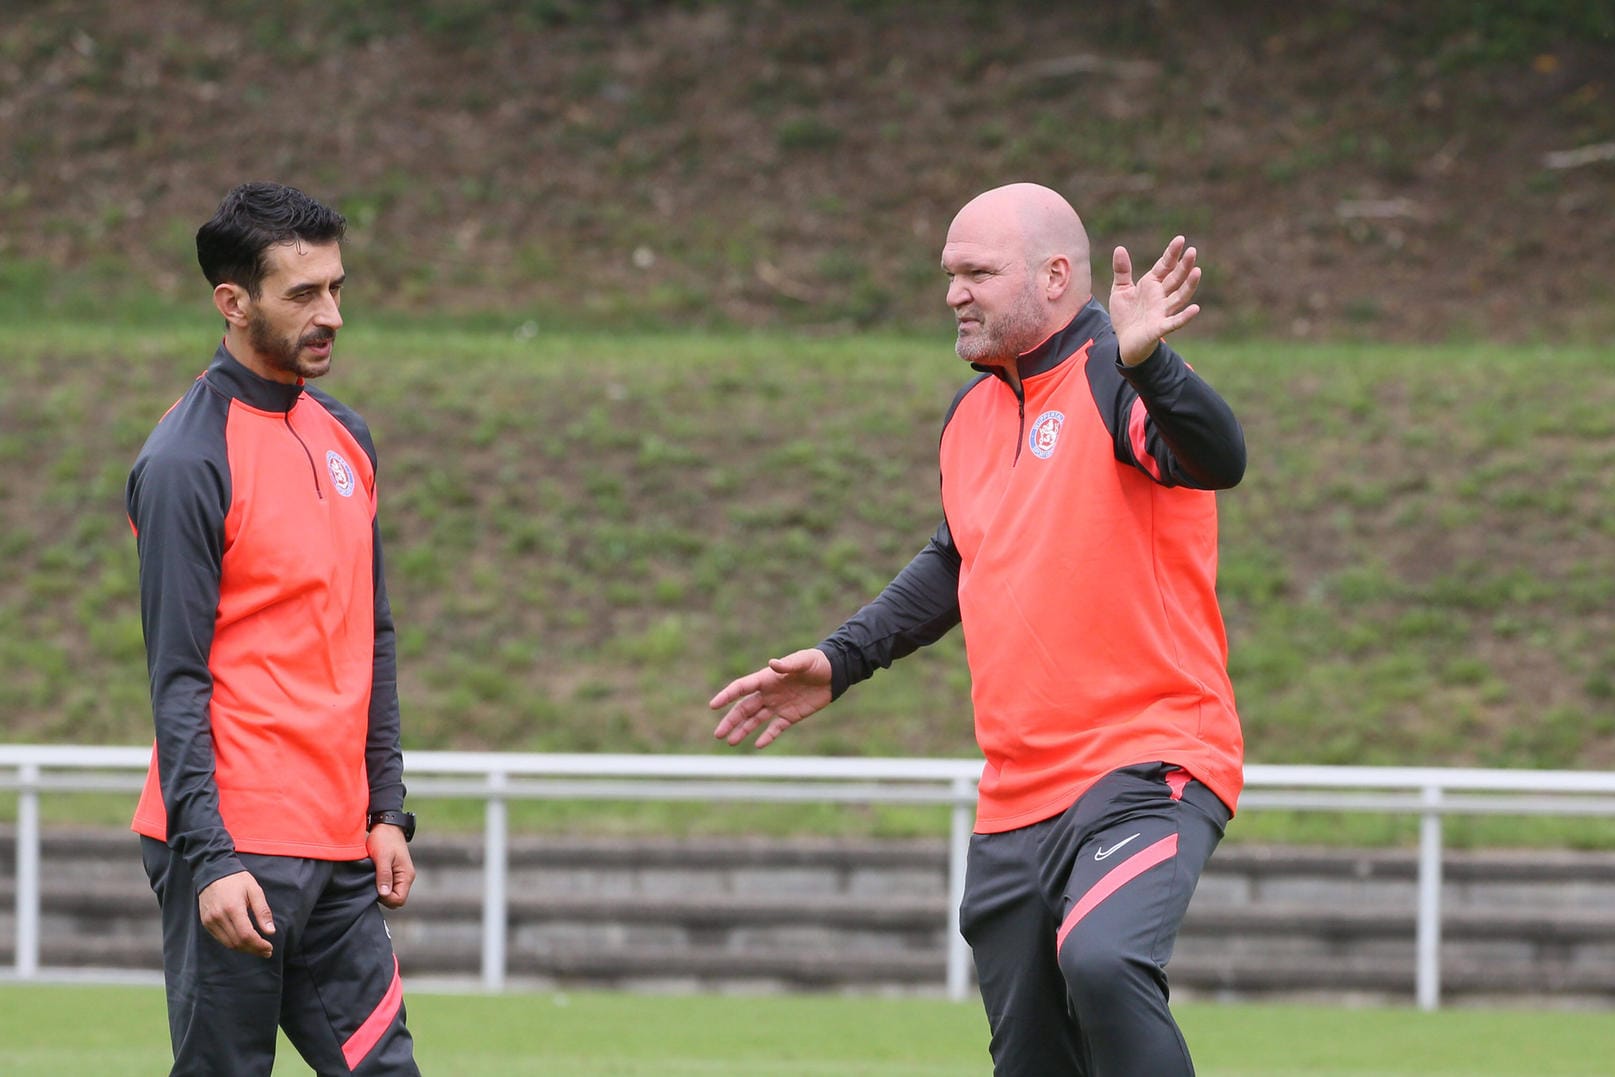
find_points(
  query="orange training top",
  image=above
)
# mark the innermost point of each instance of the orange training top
(1079, 552)
(269, 638)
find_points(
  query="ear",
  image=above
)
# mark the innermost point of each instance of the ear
(1057, 277)
(232, 302)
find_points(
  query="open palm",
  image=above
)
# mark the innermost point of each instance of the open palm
(1158, 303)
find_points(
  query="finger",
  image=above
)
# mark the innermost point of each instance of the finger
(399, 880)
(1178, 297)
(746, 727)
(735, 716)
(1179, 272)
(253, 933)
(238, 933)
(779, 725)
(1180, 319)
(1169, 258)
(403, 879)
(1190, 286)
(1121, 268)
(260, 908)
(738, 688)
(739, 721)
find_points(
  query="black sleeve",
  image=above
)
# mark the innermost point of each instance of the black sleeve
(1189, 435)
(177, 503)
(917, 608)
(384, 758)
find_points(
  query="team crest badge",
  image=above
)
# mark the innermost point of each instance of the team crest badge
(1046, 434)
(341, 473)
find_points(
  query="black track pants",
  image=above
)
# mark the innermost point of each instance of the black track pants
(332, 982)
(1072, 921)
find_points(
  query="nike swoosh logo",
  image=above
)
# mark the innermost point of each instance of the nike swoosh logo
(1101, 853)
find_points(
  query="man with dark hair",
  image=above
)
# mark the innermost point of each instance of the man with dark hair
(1078, 549)
(272, 818)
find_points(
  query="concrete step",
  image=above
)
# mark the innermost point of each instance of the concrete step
(1391, 978)
(1459, 865)
(579, 966)
(826, 914)
(1364, 923)
(106, 901)
(662, 967)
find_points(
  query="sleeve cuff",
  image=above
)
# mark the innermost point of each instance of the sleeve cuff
(838, 669)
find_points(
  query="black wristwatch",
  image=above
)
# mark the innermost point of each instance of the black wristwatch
(405, 819)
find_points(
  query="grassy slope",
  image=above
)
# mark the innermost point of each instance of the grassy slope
(1348, 167)
(809, 1037)
(587, 535)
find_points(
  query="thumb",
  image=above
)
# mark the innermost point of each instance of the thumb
(384, 874)
(795, 662)
(260, 909)
(1121, 268)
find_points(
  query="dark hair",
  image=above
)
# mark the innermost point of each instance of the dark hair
(251, 219)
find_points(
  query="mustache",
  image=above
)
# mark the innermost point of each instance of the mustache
(319, 336)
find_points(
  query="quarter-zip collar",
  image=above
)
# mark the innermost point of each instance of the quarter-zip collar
(230, 376)
(1088, 323)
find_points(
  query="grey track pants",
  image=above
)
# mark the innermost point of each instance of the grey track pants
(1072, 921)
(332, 982)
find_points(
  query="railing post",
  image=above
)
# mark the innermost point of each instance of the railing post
(958, 850)
(28, 871)
(1428, 941)
(495, 907)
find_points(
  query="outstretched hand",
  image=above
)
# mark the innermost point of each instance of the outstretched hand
(780, 694)
(1144, 311)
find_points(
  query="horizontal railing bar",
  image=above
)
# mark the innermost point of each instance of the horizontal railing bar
(1267, 775)
(646, 789)
(1402, 803)
(692, 766)
(76, 783)
(1262, 780)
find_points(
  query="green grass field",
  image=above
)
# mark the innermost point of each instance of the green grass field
(52, 1030)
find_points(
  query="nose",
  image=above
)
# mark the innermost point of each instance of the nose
(958, 293)
(329, 316)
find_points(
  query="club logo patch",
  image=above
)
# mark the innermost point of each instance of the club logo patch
(341, 473)
(1045, 434)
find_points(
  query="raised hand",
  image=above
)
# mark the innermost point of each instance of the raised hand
(1158, 303)
(780, 694)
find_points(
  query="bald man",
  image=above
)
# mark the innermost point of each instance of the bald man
(1078, 550)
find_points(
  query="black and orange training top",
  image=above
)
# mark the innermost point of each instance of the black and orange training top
(1078, 549)
(269, 638)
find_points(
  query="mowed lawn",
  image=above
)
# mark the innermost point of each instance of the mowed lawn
(48, 1031)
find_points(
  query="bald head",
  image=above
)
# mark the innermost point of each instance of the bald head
(1040, 219)
(1025, 241)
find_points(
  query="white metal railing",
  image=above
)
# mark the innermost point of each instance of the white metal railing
(497, 778)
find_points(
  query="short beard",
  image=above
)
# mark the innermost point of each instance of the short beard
(1008, 336)
(283, 353)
